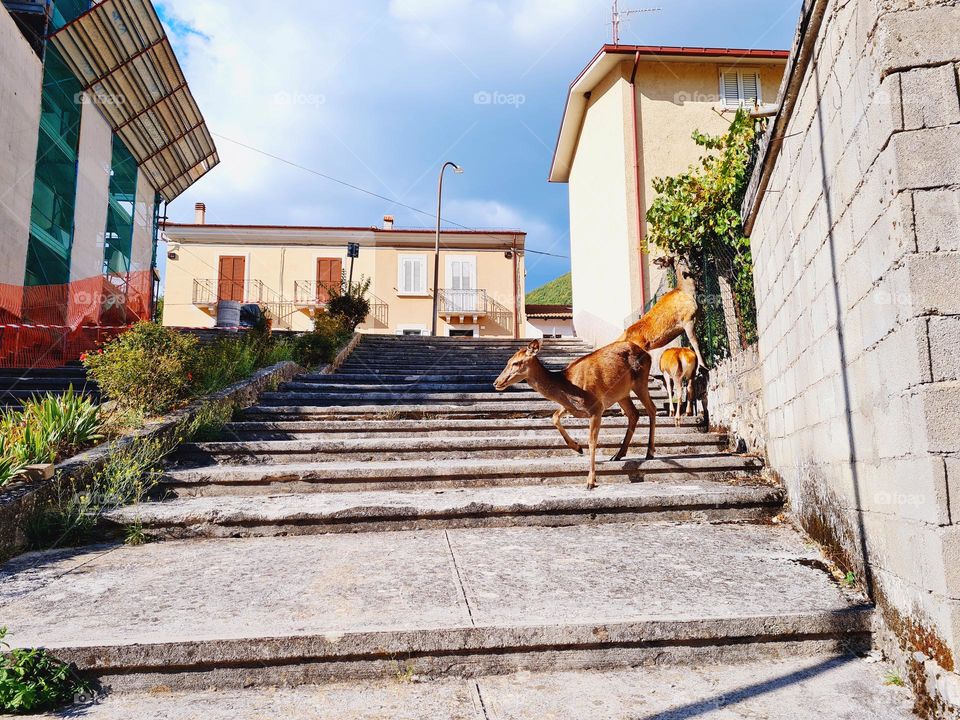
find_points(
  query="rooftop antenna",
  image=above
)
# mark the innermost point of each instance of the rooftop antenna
(620, 15)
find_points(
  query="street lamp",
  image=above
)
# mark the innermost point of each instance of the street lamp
(436, 257)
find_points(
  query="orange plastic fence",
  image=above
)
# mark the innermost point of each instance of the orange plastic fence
(50, 325)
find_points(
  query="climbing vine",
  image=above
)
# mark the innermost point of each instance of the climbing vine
(696, 214)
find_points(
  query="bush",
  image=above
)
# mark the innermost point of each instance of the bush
(348, 302)
(320, 346)
(46, 430)
(34, 680)
(149, 367)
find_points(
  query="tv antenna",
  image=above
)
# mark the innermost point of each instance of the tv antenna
(620, 15)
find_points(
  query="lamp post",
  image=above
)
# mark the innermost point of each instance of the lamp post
(436, 257)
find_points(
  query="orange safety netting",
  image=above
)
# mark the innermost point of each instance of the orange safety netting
(50, 325)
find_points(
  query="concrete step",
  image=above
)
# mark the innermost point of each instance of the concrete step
(67, 373)
(261, 452)
(56, 385)
(446, 474)
(375, 371)
(785, 689)
(374, 378)
(393, 387)
(294, 610)
(372, 397)
(318, 513)
(421, 428)
(508, 407)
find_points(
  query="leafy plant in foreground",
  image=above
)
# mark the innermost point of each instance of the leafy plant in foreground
(34, 681)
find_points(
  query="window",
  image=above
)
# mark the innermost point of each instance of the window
(740, 87)
(462, 333)
(230, 278)
(412, 275)
(329, 275)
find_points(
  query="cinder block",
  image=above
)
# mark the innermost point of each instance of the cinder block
(941, 413)
(916, 37)
(937, 217)
(930, 97)
(933, 283)
(921, 157)
(944, 342)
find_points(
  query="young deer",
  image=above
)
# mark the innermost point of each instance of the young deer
(679, 368)
(586, 388)
(676, 312)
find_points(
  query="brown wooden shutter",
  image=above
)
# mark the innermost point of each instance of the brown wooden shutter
(329, 273)
(230, 280)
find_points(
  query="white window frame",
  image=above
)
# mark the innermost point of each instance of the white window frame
(741, 100)
(422, 329)
(474, 327)
(401, 291)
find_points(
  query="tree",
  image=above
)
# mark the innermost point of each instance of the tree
(348, 301)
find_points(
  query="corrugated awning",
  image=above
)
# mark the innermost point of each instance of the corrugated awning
(120, 53)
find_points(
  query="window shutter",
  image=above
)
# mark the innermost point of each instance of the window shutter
(731, 89)
(751, 89)
(411, 275)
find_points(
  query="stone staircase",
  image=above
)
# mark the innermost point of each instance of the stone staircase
(400, 519)
(18, 385)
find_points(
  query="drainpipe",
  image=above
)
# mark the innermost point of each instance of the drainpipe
(516, 294)
(636, 176)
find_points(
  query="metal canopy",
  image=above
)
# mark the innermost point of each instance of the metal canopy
(120, 53)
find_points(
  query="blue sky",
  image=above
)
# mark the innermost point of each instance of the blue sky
(380, 93)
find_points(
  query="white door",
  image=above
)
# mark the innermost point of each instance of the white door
(462, 283)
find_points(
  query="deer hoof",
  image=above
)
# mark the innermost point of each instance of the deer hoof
(650, 455)
(578, 450)
(617, 458)
(591, 485)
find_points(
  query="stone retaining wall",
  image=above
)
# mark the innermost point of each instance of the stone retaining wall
(736, 400)
(19, 503)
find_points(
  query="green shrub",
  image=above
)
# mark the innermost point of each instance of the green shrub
(149, 367)
(46, 430)
(35, 681)
(348, 302)
(320, 346)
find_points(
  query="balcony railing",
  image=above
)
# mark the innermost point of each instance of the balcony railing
(461, 305)
(306, 296)
(206, 294)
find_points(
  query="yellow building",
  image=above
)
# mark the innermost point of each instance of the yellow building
(628, 119)
(481, 278)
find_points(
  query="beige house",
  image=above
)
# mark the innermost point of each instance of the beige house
(628, 119)
(481, 278)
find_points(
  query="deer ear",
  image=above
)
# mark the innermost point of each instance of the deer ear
(534, 347)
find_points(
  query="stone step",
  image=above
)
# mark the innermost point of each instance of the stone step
(419, 428)
(446, 474)
(374, 371)
(782, 688)
(374, 378)
(294, 610)
(503, 408)
(260, 452)
(319, 513)
(529, 397)
(396, 388)
(41, 384)
(407, 366)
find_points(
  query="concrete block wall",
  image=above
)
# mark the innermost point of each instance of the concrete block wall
(857, 253)
(736, 400)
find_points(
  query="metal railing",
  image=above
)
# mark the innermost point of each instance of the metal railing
(306, 294)
(206, 293)
(477, 303)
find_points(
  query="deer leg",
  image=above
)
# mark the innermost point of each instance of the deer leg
(668, 381)
(594, 435)
(691, 401)
(690, 328)
(642, 389)
(571, 443)
(632, 416)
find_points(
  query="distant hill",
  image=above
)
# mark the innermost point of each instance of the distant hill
(556, 292)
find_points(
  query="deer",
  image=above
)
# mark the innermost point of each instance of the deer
(679, 368)
(586, 388)
(675, 313)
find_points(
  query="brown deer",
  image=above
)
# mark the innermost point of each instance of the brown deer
(586, 388)
(679, 367)
(675, 313)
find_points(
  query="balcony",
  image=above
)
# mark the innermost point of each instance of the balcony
(206, 296)
(471, 306)
(306, 297)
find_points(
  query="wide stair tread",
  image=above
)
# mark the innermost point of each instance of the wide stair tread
(342, 604)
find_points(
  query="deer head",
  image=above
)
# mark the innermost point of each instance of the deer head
(518, 366)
